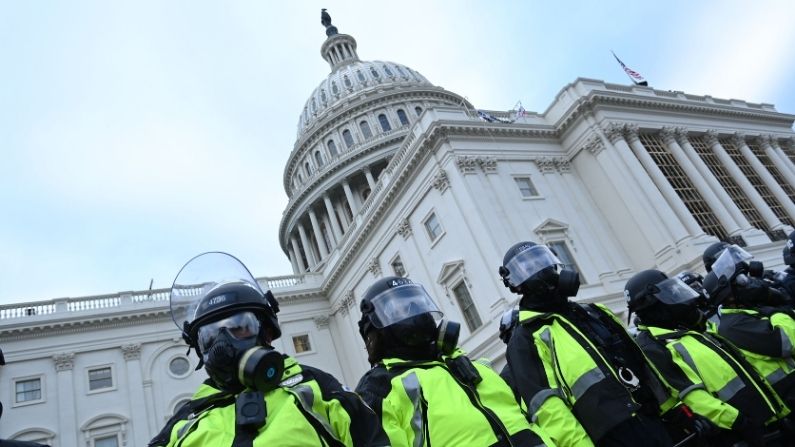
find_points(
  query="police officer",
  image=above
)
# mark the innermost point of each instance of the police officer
(787, 278)
(426, 391)
(508, 322)
(712, 377)
(753, 318)
(254, 395)
(578, 372)
(711, 254)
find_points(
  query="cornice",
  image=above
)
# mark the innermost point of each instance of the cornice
(89, 323)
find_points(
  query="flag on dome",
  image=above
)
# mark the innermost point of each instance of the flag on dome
(633, 75)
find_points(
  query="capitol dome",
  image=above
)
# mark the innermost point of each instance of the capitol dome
(352, 78)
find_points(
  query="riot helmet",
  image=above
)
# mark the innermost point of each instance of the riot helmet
(696, 282)
(711, 254)
(534, 271)
(789, 250)
(663, 301)
(223, 313)
(508, 321)
(402, 316)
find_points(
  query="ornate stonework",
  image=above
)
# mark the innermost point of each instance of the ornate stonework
(711, 137)
(595, 145)
(346, 303)
(131, 351)
(64, 361)
(374, 267)
(681, 135)
(549, 165)
(739, 139)
(631, 132)
(763, 140)
(404, 228)
(321, 322)
(441, 181)
(614, 131)
(487, 164)
(466, 165)
(668, 135)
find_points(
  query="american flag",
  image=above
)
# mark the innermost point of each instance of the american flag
(633, 75)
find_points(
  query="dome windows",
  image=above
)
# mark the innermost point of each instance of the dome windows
(308, 168)
(401, 72)
(384, 123)
(346, 135)
(404, 120)
(360, 75)
(364, 126)
(323, 98)
(418, 110)
(375, 73)
(388, 72)
(318, 158)
(334, 88)
(347, 82)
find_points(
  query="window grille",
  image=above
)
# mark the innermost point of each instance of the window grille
(789, 150)
(100, 378)
(676, 176)
(346, 135)
(319, 158)
(301, 343)
(756, 182)
(365, 128)
(468, 309)
(728, 183)
(773, 169)
(28, 390)
(404, 120)
(332, 148)
(384, 123)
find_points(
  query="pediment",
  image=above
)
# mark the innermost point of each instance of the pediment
(551, 226)
(449, 269)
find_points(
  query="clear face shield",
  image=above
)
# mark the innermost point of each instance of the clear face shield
(200, 276)
(674, 291)
(529, 262)
(240, 326)
(726, 264)
(402, 302)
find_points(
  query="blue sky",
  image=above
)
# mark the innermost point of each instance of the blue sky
(137, 134)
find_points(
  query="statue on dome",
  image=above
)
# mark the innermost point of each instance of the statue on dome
(325, 20)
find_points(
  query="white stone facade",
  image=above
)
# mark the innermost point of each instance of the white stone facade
(618, 178)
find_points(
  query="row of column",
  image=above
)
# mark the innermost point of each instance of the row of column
(625, 138)
(332, 214)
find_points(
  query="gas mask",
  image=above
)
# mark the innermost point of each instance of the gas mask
(233, 356)
(447, 340)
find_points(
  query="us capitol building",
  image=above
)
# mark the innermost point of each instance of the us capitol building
(391, 174)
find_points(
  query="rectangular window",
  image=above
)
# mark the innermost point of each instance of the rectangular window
(301, 343)
(433, 227)
(100, 378)
(398, 268)
(467, 306)
(107, 441)
(562, 250)
(526, 187)
(28, 390)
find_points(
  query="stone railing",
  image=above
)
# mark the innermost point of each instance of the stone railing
(67, 306)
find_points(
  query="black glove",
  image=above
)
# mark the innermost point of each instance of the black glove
(749, 430)
(754, 292)
(463, 369)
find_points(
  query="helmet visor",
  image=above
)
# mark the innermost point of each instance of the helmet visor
(399, 303)
(529, 262)
(726, 264)
(674, 291)
(241, 325)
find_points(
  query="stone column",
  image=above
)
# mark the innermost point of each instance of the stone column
(293, 261)
(140, 429)
(370, 180)
(737, 174)
(783, 164)
(662, 183)
(310, 255)
(789, 163)
(298, 259)
(321, 240)
(784, 200)
(67, 424)
(349, 195)
(332, 217)
(329, 232)
(649, 194)
(715, 186)
(701, 185)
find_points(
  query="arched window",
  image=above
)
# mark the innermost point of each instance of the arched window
(360, 75)
(319, 158)
(374, 73)
(384, 123)
(334, 88)
(314, 106)
(347, 81)
(332, 148)
(308, 169)
(400, 70)
(388, 71)
(365, 128)
(323, 97)
(418, 110)
(404, 120)
(346, 135)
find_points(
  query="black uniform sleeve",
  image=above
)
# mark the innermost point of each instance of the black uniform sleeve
(751, 333)
(525, 366)
(506, 376)
(662, 359)
(374, 386)
(366, 429)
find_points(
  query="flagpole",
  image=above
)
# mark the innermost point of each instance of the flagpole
(622, 66)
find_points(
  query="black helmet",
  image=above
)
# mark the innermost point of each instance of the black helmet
(532, 270)
(215, 285)
(662, 300)
(509, 320)
(711, 254)
(402, 309)
(789, 250)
